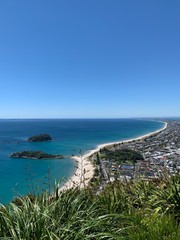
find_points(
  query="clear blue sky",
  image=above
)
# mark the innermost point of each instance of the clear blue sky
(89, 58)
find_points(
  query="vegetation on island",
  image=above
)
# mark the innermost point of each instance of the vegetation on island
(35, 155)
(40, 138)
(141, 210)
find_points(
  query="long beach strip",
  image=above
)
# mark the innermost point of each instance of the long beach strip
(85, 165)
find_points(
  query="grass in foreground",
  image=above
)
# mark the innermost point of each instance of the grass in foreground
(128, 210)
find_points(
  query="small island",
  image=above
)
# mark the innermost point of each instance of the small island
(40, 138)
(35, 155)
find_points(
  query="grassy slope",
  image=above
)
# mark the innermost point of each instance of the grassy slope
(129, 210)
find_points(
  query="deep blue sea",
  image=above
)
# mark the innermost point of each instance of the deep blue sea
(20, 176)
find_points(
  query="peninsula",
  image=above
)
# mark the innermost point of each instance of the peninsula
(35, 155)
(88, 163)
(40, 138)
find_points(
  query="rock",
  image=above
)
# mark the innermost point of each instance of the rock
(35, 155)
(40, 138)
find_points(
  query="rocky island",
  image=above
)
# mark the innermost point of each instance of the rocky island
(40, 138)
(35, 155)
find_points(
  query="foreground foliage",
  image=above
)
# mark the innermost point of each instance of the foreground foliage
(122, 210)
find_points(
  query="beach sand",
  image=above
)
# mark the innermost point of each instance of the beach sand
(85, 166)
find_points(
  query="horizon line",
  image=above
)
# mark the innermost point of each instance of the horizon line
(56, 118)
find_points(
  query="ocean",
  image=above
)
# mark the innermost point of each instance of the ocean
(70, 136)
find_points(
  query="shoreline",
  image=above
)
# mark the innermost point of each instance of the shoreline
(85, 167)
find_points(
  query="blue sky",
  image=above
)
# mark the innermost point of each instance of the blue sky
(89, 58)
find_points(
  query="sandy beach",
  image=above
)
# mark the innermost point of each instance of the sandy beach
(85, 168)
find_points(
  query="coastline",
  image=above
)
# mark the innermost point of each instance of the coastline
(85, 168)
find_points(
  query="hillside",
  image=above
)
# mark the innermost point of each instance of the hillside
(122, 210)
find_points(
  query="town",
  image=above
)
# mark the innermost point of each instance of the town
(156, 156)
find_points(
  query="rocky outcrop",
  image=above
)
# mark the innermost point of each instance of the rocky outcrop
(35, 155)
(40, 138)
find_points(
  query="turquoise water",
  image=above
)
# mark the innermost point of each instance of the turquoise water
(20, 176)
